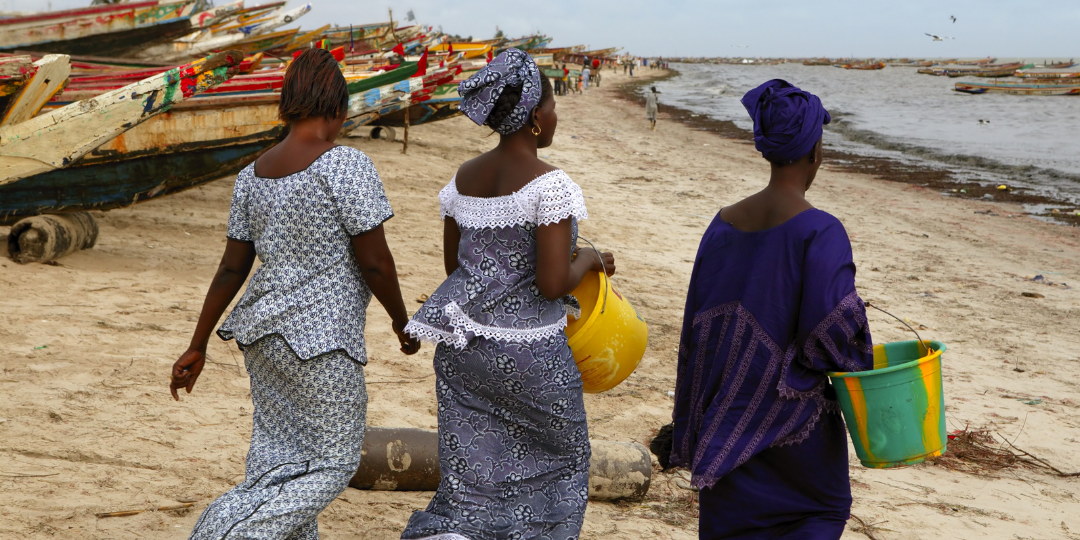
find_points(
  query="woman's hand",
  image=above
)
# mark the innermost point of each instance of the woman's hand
(409, 344)
(599, 262)
(186, 371)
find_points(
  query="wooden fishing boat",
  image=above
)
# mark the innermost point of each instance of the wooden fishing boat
(14, 71)
(216, 14)
(1059, 65)
(1018, 88)
(56, 139)
(302, 40)
(469, 49)
(865, 66)
(244, 37)
(110, 29)
(991, 70)
(46, 77)
(817, 62)
(199, 140)
(264, 42)
(1047, 74)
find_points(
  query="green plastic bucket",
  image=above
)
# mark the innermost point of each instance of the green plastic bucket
(895, 412)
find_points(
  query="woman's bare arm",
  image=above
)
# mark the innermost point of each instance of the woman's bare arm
(377, 266)
(231, 273)
(451, 239)
(557, 275)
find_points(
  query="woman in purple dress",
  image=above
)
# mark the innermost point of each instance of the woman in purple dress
(771, 308)
(513, 442)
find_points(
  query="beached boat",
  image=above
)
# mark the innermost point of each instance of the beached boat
(43, 80)
(210, 40)
(1018, 88)
(264, 42)
(107, 30)
(56, 139)
(470, 50)
(198, 141)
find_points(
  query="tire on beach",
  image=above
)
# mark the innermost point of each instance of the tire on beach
(49, 237)
(385, 133)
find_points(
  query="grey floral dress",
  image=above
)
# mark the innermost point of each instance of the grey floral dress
(514, 444)
(301, 326)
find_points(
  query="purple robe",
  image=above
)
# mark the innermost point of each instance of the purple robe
(767, 314)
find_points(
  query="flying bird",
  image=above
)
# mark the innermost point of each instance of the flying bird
(939, 38)
(953, 17)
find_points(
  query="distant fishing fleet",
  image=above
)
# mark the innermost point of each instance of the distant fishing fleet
(1018, 78)
(118, 103)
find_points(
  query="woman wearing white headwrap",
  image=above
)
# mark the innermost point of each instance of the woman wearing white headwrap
(513, 442)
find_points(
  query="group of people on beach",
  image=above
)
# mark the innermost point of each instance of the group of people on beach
(771, 307)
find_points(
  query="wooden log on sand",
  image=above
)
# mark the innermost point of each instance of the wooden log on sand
(50, 237)
(406, 459)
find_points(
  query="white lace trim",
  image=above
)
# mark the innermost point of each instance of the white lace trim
(463, 326)
(550, 198)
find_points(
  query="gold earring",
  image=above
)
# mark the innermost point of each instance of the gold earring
(536, 131)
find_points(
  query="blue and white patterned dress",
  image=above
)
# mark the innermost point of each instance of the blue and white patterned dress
(513, 441)
(301, 326)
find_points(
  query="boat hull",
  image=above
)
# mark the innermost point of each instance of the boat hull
(120, 43)
(1018, 89)
(117, 184)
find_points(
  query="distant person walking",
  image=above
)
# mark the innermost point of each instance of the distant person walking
(558, 86)
(652, 106)
(625, 66)
(632, 62)
(585, 74)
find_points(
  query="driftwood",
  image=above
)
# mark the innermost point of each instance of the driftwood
(407, 459)
(50, 237)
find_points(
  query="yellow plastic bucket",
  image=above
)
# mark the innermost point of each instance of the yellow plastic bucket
(608, 340)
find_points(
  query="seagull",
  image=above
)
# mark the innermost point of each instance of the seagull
(939, 38)
(953, 17)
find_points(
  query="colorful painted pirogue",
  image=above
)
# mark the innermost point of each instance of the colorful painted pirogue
(197, 141)
(56, 139)
(108, 30)
(1026, 88)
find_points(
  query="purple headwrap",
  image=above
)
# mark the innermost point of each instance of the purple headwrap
(480, 92)
(787, 120)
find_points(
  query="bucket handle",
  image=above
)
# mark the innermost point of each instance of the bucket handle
(603, 307)
(921, 342)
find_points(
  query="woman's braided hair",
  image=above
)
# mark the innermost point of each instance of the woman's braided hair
(509, 99)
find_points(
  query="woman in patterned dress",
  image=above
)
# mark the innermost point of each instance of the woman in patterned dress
(513, 442)
(312, 212)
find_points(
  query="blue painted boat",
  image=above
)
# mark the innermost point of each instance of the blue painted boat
(104, 186)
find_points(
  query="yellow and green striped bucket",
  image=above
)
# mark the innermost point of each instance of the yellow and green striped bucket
(895, 412)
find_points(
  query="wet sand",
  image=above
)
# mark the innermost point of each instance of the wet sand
(85, 345)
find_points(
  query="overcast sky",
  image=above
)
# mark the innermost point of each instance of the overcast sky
(793, 28)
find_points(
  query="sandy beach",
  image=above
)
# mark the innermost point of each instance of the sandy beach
(87, 424)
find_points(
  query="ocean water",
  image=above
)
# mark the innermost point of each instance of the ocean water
(1025, 141)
